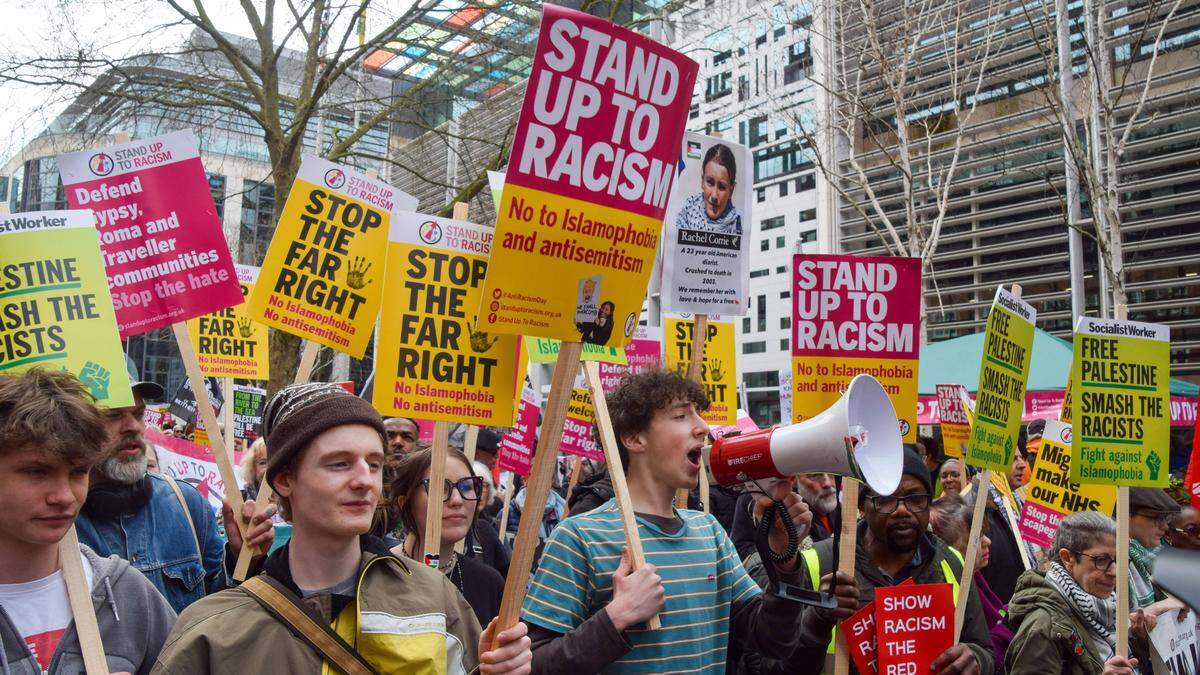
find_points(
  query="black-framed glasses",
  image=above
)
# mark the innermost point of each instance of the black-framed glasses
(915, 503)
(1102, 562)
(469, 488)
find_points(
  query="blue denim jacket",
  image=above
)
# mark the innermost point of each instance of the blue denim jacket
(158, 542)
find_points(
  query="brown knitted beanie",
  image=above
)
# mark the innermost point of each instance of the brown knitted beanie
(300, 412)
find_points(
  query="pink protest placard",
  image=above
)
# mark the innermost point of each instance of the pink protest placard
(578, 439)
(161, 240)
(517, 446)
(643, 352)
(744, 424)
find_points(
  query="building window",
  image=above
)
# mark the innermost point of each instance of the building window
(216, 185)
(785, 322)
(785, 344)
(784, 295)
(810, 214)
(764, 245)
(754, 274)
(722, 57)
(780, 241)
(258, 207)
(808, 236)
(771, 223)
(746, 324)
(743, 88)
(760, 195)
(718, 86)
(806, 182)
(761, 378)
(762, 312)
(783, 189)
(781, 269)
(759, 347)
(43, 188)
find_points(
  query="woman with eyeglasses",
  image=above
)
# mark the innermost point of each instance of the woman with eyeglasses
(1184, 531)
(481, 585)
(1065, 618)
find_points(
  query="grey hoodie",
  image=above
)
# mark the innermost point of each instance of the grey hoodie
(134, 620)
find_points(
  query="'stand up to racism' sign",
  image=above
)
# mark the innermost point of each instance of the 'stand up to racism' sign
(851, 315)
(592, 168)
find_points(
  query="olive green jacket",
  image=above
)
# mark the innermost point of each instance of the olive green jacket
(1049, 638)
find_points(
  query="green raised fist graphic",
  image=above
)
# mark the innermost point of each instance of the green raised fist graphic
(1154, 464)
(96, 378)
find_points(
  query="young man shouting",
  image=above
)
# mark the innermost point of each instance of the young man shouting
(587, 609)
(50, 436)
(325, 458)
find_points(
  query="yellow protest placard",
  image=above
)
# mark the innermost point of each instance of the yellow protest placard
(228, 342)
(1052, 495)
(1003, 373)
(431, 360)
(718, 373)
(322, 278)
(55, 308)
(1121, 407)
(956, 430)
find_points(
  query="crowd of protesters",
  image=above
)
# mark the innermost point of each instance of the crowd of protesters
(352, 490)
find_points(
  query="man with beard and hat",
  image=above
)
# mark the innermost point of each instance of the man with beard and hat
(162, 526)
(894, 545)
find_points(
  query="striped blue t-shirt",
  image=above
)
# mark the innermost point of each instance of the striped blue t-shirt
(701, 572)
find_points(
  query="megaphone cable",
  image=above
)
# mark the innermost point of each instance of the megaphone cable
(764, 529)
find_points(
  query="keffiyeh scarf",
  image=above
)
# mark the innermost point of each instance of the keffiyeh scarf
(1098, 615)
(1140, 587)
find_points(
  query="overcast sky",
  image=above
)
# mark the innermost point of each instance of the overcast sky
(33, 27)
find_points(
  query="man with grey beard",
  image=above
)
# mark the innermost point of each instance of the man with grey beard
(162, 526)
(819, 491)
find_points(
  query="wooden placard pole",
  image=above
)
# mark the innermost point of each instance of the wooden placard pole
(308, 357)
(847, 550)
(538, 487)
(968, 573)
(1120, 313)
(431, 555)
(227, 416)
(694, 372)
(573, 477)
(616, 474)
(82, 610)
(205, 412)
(508, 495)
(470, 442)
(981, 500)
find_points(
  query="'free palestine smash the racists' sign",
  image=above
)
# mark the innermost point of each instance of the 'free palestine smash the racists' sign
(160, 237)
(1122, 403)
(431, 360)
(851, 315)
(322, 278)
(55, 311)
(1003, 372)
(592, 168)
